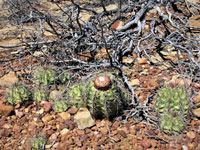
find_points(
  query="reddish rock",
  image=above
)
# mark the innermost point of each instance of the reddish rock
(115, 125)
(73, 110)
(47, 106)
(19, 113)
(146, 143)
(5, 110)
(122, 133)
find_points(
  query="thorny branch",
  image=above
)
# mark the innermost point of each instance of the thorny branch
(75, 37)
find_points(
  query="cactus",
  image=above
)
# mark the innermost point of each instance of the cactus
(38, 143)
(40, 95)
(171, 124)
(60, 105)
(65, 77)
(101, 95)
(172, 106)
(44, 76)
(172, 100)
(18, 94)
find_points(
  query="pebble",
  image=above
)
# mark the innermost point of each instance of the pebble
(184, 147)
(196, 112)
(5, 110)
(73, 110)
(64, 115)
(47, 106)
(19, 113)
(146, 143)
(122, 133)
(47, 118)
(191, 134)
(104, 131)
(142, 60)
(64, 131)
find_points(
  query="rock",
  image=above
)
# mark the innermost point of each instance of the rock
(64, 115)
(73, 110)
(55, 94)
(194, 1)
(142, 61)
(196, 99)
(117, 25)
(19, 113)
(5, 110)
(196, 112)
(104, 131)
(84, 119)
(184, 147)
(122, 133)
(8, 79)
(53, 137)
(7, 126)
(47, 118)
(47, 106)
(146, 143)
(194, 21)
(134, 82)
(191, 134)
(64, 131)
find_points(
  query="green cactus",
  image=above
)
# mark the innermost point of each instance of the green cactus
(40, 95)
(65, 77)
(38, 143)
(172, 106)
(60, 105)
(172, 100)
(44, 76)
(171, 124)
(101, 103)
(18, 94)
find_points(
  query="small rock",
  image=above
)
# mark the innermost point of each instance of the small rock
(196, 99)
(122, 133)
(135, 82)
(64, 115)
(5, 110)
(47, 118)
(196, 112)
(55, 94)
(73, 110)
(191, 134)
(184, 147)
(19, 113)
(17, 128)
(53, 137)
(7, 126)
(41, 111)
(47, 106)
(104, 131)
(56, 145)
(142, 60)
(146, 143)
(70, 124)
(8, 79)
(64, 131)
(84, 119)
(115, 125)
(117, 25)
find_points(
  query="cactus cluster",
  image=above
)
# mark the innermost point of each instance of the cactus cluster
(172, 105)
(65, 77)
(40, 95)
(17, 94)
(38, 143)
(60, 105)
(102, 101)
(44, 76)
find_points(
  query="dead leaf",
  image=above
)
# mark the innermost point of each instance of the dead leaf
(127, 60)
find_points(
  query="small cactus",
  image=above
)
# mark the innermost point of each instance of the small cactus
(172, 106)
(38, 143)
(18, 94)
(40, 95)
(60, 105)
(101, 95)
(44, 76)
(64, 77)
(171, 124)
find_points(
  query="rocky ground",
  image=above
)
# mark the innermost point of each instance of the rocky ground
(21, 123)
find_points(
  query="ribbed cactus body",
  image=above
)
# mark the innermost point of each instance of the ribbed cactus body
(38, 143)
(44, 76)
(171, 124)
(101, 103)
(40, 95)
(18, 94)
(172, 105)
(60, 105)
(65, 77)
